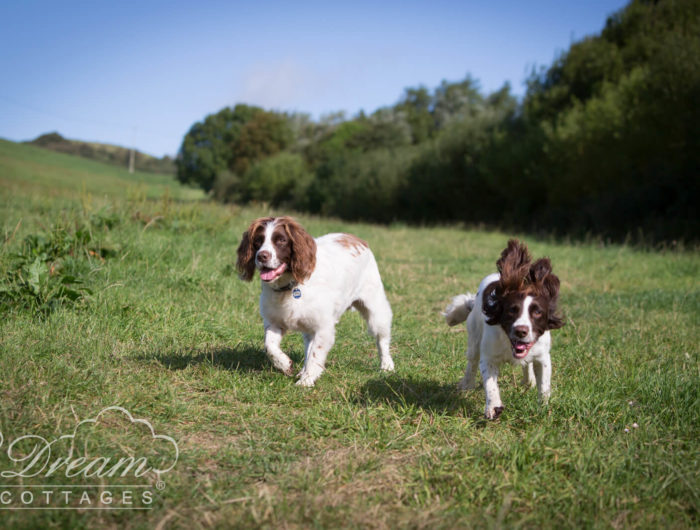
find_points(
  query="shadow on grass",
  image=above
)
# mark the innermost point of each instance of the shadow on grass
(431, 396)
(242, 358)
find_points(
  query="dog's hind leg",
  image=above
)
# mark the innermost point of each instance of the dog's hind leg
(376, 311)
(469, 382)
(475, 331)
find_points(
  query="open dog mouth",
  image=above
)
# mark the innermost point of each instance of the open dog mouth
(269, 275)
(520, 348)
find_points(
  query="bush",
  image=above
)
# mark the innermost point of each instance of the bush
(365, 185)
(280, 180)
(49, 270)
(227, 187)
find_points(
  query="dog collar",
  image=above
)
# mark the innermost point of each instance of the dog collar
(291, 285)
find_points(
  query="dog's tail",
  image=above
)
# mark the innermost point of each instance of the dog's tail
(459, 309)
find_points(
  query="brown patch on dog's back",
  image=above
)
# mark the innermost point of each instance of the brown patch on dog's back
(354, 244)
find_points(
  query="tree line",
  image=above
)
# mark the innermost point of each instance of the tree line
(605, 141)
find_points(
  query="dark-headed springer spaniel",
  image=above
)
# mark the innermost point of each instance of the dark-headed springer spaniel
(508, 320)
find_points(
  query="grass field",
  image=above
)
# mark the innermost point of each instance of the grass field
(152, 318)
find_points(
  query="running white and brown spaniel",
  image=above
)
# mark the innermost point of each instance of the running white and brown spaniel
(307, 285)
(509, 319)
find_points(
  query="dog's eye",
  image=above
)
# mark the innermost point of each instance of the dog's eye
(281, 240)
(513, 310)
(258, 241)
(536, 312)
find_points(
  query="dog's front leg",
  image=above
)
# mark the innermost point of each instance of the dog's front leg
(543, 375)
(494, 406)
(317, 346)
(528, 375)
(279, 359)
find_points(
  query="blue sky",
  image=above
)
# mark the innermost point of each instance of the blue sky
(142, 72)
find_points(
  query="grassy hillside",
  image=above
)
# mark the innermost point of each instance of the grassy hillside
(27, 166)
(110, 154)
(170, 334)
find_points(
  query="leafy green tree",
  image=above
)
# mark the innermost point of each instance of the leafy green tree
(455, 101)
(265, 134)
(452, 170)
(280, 180)
(385, 128)
(619, 116)
(206, 148)
(417, 105)
(364, 185)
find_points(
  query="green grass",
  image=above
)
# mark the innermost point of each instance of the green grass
(169, 333)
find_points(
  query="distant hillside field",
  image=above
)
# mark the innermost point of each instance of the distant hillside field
(29, 168)
(110, 154)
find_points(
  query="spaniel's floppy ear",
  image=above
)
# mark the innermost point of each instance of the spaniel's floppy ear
(303, 259)
(514, 265)
(245, 263)
(539, 270)
(546, 284)
(493, 302)
(550, 286)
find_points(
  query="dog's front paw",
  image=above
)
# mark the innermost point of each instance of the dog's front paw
(305, 380)
(493, 413)
(308, 375)
(282, 363)
(387, 365)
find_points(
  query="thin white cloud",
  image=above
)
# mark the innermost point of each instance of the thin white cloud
(276, 86)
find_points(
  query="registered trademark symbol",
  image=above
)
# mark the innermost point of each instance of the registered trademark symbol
(160, 485)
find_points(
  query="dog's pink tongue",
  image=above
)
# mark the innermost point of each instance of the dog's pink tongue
(521, 349)
(269, 275)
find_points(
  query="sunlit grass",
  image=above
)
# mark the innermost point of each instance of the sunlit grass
(172, 335)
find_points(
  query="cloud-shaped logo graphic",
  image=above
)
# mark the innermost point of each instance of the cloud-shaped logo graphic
(167, 440)
(83, 453)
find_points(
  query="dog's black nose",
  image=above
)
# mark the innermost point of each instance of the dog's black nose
(263, 256)
(520, 331)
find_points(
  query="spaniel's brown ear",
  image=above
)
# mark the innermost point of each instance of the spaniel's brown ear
(540, 270)
(514, 265)
(493, 302)
(303, 259)
(550, 289)
(543, 280)
(546, 284)
(554, 321)
(245, 263)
